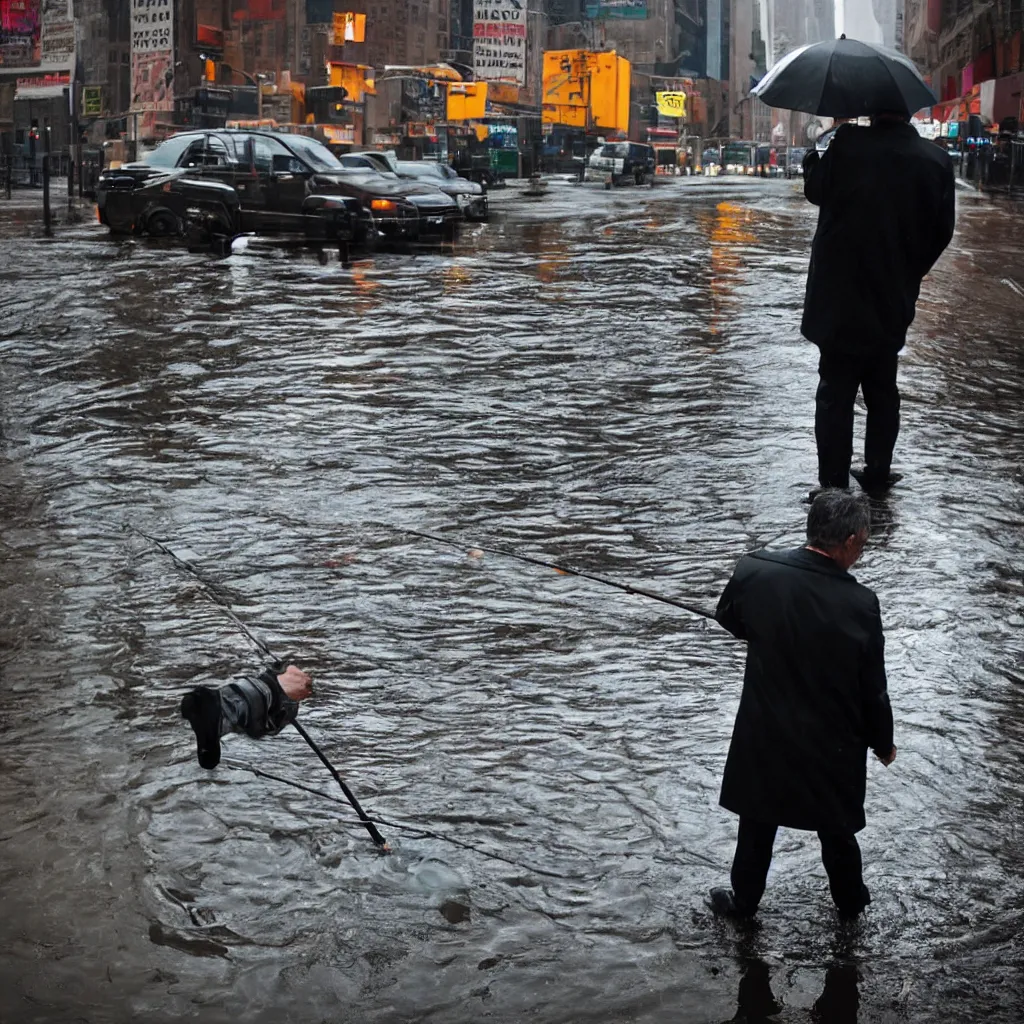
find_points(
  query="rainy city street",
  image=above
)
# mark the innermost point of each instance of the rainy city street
(614, 380)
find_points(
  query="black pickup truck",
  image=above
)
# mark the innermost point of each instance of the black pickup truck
(283, 183)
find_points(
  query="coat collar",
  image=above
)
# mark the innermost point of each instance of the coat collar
(801, 558)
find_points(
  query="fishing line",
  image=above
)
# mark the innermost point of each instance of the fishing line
(627, 588)
(211, 595)
(413, 831)
(370, 827)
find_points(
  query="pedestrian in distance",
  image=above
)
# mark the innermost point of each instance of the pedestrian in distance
(814, 702)
(886, 213)
(257, 706)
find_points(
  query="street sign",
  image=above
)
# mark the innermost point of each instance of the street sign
(92, 101)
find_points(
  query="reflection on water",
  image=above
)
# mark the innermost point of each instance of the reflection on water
(553, 387)
(758, 1002)
(730, 236)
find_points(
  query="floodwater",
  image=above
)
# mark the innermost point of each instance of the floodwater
(614, 380)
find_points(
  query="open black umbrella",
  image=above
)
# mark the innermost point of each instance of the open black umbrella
(845, 78)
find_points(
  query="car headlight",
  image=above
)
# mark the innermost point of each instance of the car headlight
(383, 205)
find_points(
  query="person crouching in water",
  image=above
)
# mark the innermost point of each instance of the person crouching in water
(257, 706)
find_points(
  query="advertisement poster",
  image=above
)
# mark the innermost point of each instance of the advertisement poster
(499, 41)
(19, 33)
(671, 104)
(152, 25)
(151, 82)
(57, 44)
(152, 35)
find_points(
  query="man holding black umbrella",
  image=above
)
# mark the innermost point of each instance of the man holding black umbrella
(887, 212)
(886, 199)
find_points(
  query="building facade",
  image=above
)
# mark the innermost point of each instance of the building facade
(973, 54)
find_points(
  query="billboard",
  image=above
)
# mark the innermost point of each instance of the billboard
(586, 89)
(152, 26)
(152, 35)
(19, 33)
(671, 104)
(37, 34)
(499, 41)
(633, 9)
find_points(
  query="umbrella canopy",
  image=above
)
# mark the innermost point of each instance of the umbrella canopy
(845, 78)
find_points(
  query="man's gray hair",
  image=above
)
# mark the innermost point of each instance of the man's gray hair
(834, 516)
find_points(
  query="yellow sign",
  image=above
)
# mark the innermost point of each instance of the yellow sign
(92, 101)
(467, 101)
(349, 28)
(586, 89)
(671, 104)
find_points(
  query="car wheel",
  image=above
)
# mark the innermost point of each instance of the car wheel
(117, 214)
(162, 224)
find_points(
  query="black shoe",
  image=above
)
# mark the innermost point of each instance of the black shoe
(724, 903)
(202, 709)
(875, 483)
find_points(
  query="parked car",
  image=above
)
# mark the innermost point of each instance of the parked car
(618, 162)
(470, 195)
(289, 182)
(372, 159)
(171, 204)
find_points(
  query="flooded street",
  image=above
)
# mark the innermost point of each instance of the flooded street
(614, 380)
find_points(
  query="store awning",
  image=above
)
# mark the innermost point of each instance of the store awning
(40, 92)
(960, 108)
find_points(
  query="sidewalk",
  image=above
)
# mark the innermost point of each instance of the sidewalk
(22, 214)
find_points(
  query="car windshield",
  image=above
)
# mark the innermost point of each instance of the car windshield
(615, 149)
(357, 163)
(314, 153)
(168, 153)
(421, 168)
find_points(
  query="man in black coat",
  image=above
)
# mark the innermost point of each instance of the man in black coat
(814, 702)
(886, 199)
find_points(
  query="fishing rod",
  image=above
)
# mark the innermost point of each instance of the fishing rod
(627, 588)
(414, 831)
(211, 596)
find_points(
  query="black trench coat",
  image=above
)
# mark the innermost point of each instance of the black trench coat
(887, 212)
(814, 692)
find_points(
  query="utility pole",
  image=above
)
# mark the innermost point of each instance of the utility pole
(47, 225)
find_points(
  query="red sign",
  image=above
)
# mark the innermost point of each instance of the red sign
(209, 37)
(60, 78)
(496, 30)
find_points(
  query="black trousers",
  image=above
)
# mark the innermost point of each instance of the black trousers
(839, 853)
(840, 376)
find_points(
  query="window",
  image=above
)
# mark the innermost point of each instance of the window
(264, 151)
(167, 153)
(206, 151)
(315, 154)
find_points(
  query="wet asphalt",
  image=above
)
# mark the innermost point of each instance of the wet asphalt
(614, 380)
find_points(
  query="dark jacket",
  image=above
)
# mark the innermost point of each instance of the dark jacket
(887, 212)
(814, 692)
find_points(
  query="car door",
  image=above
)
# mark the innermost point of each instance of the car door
(284, 177)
